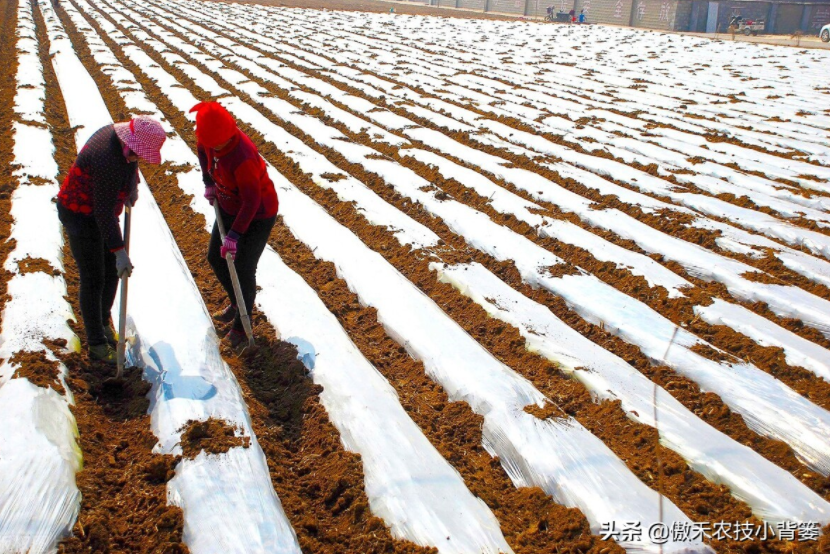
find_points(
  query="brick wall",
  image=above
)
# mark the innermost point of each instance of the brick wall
(818, 18)
(683, 16)
(471, 4)
(698, 16)
(661, 14)
(562, 5)
(615, 12)
(515, 7)
(654, 14)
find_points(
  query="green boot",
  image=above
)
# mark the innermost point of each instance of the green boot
(109, 334)
(103, 353)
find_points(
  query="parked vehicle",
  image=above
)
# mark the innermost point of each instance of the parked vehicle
(746, 26)
(561, 17)
(824, 34)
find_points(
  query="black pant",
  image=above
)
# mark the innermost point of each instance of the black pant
(249, 249)
(99, 283)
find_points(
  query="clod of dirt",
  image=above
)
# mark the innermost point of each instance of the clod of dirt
(160, 469)
(213, 436)
(126, 400)
(333, 177)
(562, 270)
(55, 343)
(33, 265)
(548, 411)
(711, 354)
(760, 277)
(41, 371)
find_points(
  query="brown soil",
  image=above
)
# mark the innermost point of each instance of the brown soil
(690, 491)
(562, 270)
(674, 225)
(452, 427)
(319, 484)
(548, 411)
(678, 310)
(41, 371)
(774, 267)
(719, 137)
(124, 495)
(651, 169)
(737, 426)
(711, 354)
(745, 201)
(33, 265)
(636, 286)
(8, 72)
(211, 436)
(477, 323)
(333, 177)
(770, 359)
(122, 510)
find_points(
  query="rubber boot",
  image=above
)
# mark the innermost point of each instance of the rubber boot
(227, 315)
(109, 334)
(236, 338)
(103, 353)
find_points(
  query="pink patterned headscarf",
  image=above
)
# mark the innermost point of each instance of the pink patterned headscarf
(144, 136)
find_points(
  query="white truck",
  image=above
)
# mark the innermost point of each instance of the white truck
(824, 34)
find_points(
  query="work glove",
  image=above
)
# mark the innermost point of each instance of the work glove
(228, 247)
(210, 194)
(132, 198)
(122, 263)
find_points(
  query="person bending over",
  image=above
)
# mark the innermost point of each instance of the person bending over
(103, 178)
(236, 177)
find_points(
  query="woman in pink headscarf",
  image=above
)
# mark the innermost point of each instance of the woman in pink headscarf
(102, 180)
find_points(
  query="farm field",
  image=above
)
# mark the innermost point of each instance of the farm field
(533, 288)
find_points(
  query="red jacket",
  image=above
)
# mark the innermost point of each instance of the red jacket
(94, 190)
(243, 187)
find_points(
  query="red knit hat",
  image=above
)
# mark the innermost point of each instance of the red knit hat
(214, 125)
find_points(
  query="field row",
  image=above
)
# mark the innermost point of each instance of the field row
(611, 285)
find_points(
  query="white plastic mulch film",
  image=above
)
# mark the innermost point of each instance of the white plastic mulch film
(806, 429)
(39, 455)
(427, 67)
(408, 483)
(773, 493)
(228, 501)
(807, 438)
(320, 133)
(500, 396)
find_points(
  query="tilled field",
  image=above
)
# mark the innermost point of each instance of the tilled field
(532, 288)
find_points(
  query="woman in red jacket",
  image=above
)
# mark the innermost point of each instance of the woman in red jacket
(235, 175)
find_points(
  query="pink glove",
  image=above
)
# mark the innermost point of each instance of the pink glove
(210, 194)
(228, 247)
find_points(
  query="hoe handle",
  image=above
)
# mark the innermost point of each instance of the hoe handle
(122, 312)
(237, 289)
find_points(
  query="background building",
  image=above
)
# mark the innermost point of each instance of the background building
(779, 16)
